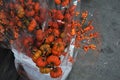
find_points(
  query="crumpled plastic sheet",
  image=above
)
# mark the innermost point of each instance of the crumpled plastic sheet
(33, 71)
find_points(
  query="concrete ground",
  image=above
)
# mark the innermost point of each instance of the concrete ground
(107, 64)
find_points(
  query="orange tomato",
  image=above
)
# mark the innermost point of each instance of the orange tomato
(59, 15)
(67, 17)
(46, 49)
(49, 39)
(20, 11)
(29, 13)
(56, 72)
(41, 62)
(72, 9)
(53, 24)
(39, 35)
(57, 1)
(53, 60)
(65, 2)
(16, 35)
(44, 70)
(84, 14)
(36, 55)
(32, 25)
(56, 32)
(37, 6)
(58, 48)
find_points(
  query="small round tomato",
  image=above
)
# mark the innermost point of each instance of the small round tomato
(49, 39)
(46, 50)
(56, 72)
(56, 32)
(53, 60)
(36, 55)
(44, 70)
(37, 6)
(32, 25)
(41, 62)
(39, 35)
(57, 1)
(58, 48)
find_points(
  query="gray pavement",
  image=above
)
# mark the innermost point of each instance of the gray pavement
(106, 66)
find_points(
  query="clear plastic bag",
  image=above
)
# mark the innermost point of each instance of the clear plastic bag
(32, 71)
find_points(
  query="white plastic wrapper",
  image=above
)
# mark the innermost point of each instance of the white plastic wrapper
(33, 71)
